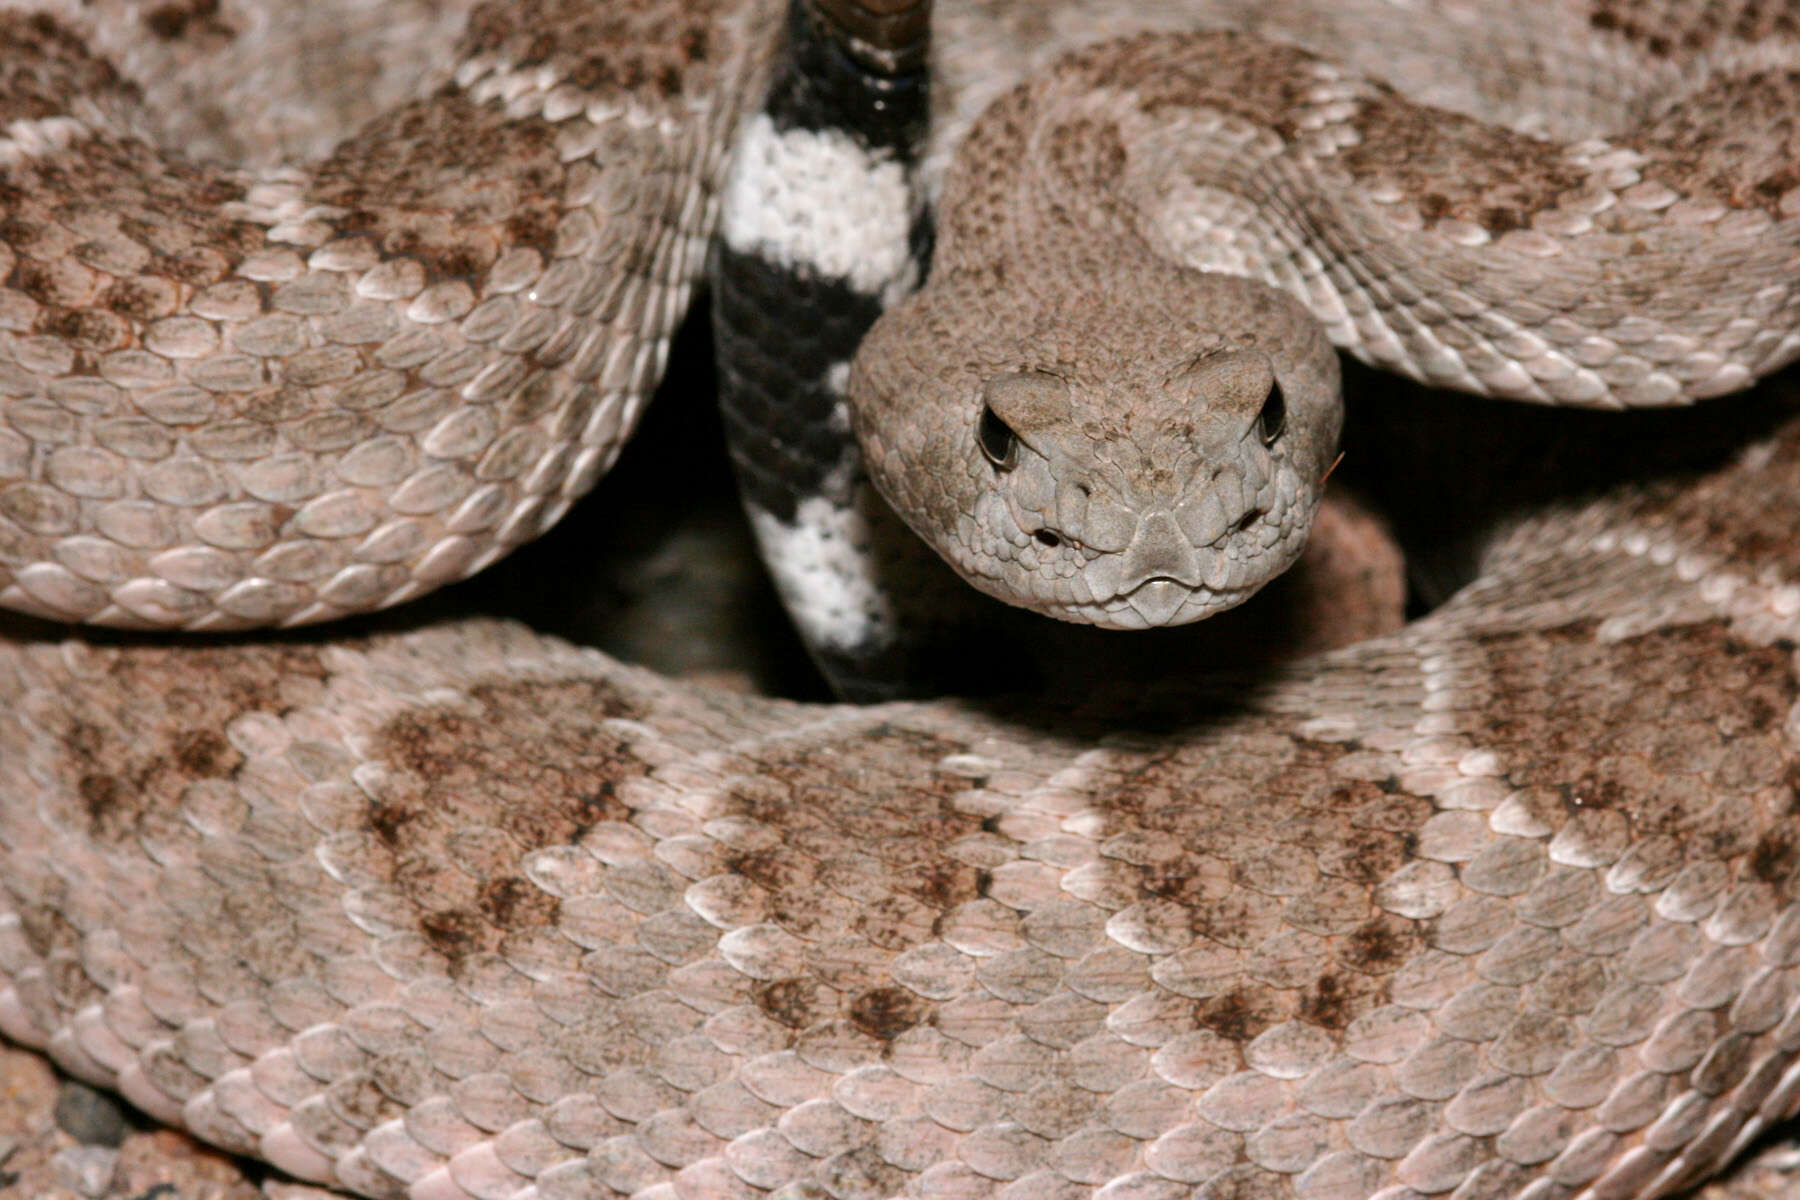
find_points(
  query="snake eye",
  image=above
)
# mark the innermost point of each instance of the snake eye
(999, 444)
(1273, 417)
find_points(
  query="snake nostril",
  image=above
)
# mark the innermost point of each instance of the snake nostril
(1247, 520)
(1046, 538)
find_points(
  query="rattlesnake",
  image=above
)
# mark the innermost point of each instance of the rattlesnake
(1114, 401)
(1500, 905)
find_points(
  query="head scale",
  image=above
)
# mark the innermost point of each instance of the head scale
(1144, 453)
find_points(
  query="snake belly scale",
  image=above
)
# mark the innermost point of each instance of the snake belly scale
(1500, 905)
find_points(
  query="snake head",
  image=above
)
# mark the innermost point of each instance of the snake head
(1113, 463)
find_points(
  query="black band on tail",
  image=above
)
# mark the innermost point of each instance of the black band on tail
(823, 226)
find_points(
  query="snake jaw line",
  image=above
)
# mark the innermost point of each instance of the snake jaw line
(991, 420)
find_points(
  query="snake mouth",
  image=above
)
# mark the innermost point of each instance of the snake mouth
(1159, 599)
(1168, 603)
(1155, 580)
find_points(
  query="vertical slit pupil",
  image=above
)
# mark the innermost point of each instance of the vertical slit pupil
(998, 442)
(1273, 417)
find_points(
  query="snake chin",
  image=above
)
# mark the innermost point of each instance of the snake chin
(1071, 463)
(1162, 601)
(1159, 603)
(1160, 576)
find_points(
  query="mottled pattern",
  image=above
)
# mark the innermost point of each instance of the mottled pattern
(1501, 905)
(1589, 206)
(278, 394)
(265, 363)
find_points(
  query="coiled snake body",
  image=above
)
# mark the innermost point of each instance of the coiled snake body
(1501, 905)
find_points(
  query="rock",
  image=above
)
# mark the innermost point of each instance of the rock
(90, 1116)
(85, 1170)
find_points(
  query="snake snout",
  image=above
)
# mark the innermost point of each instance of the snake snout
(1160, 553)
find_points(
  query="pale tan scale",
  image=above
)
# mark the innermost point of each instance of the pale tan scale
(1570, 226)
(312, 327)
(1502, 904)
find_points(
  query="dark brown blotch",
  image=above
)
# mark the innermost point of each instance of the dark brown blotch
(388, 822)
(100, 798)
(453, 933)
(407, 181)
(513, 903)
(1659, 727)
(1774, 857)
(534, 228)
(879, 795)
(1328, 1003)
(943, 884)
(1239, 1015)
(178, 702)
(1498, 220)
(86, 329)
(187, 19)
(1455, 167)
(205, 754)
(772, 870)
(1692, 152)
(888, 1012)
(524, 758)
(34, 278)
(132, 298)
(1380, 946)
(48, 67)
(793, 1002)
